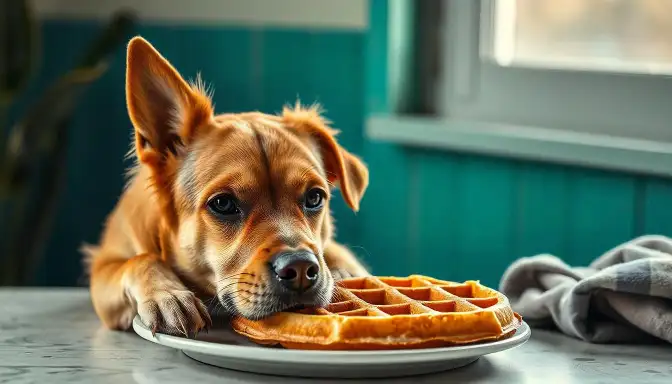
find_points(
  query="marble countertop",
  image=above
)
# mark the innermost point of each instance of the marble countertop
(53, 336)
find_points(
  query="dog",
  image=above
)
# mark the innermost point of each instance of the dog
(228, 207)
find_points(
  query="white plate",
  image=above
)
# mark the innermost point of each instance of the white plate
(224, 348)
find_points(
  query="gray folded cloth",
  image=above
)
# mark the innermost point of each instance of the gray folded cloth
(624, 296)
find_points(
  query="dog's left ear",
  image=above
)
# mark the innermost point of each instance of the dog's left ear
(168, 114)
(165, 110)
(343, 169)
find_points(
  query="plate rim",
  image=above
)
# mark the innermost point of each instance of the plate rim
(261, 354)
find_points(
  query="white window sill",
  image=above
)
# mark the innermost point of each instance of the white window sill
(537, 144)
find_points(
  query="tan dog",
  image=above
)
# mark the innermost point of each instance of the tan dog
(233, 207)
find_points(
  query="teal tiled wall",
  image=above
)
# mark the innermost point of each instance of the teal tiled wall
(462, 216)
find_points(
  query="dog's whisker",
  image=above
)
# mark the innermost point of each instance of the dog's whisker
(217, 308)
(236, 294)
(234, 284)
(236, 275)
(245, 295)
(212, 302)
(238, 278)
(368, 254)
(251, 293)
(238, 282)
(240, 273)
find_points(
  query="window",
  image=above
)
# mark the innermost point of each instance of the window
(573, 66)
(621, 36)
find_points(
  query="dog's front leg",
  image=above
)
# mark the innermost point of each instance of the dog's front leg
(343, 263)
(144, 285)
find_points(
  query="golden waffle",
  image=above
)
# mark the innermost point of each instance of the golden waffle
(391, 313)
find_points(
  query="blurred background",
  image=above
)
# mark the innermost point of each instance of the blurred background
(493, 129)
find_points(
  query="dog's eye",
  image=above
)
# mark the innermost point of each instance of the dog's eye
(224, 205)
(314, 199)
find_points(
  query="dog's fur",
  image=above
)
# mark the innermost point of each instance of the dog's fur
(163, 250)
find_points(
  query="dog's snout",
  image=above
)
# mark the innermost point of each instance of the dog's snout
(297, 271)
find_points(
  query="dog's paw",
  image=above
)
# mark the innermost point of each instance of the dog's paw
(175, 312)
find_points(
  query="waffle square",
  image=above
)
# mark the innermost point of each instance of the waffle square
(371, 313)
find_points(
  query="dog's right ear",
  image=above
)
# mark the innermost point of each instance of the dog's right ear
(343, 169)
(165, 110)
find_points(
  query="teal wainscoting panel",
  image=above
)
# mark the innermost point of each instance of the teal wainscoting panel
(460, 216)
(484, 238)
(434, 211)
(657, 207)
(601, 213)
(384, 213)
(541, 216)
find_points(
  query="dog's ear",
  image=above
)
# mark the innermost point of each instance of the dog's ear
(352, 174)
(167, 114)
(165, 110)
(343, 169)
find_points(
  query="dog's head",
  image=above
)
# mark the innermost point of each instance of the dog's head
(244, 198)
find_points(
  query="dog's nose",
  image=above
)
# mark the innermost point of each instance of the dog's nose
(297, 271)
